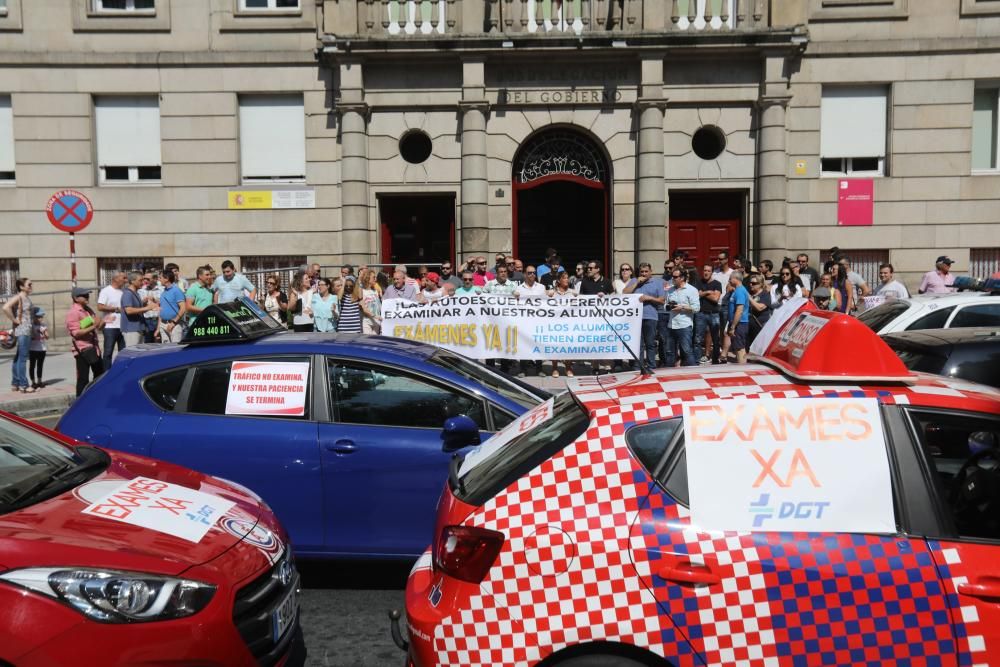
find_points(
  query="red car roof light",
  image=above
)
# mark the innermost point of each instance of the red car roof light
(814, 344)
(467, 552)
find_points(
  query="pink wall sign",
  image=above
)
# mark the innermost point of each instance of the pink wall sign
(854, 201)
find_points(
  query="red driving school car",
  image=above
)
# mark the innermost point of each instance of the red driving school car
(110, 559)
(821, 505)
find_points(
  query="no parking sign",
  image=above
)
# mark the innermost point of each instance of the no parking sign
(69, 211)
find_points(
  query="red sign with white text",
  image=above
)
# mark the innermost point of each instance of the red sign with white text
(855, 202)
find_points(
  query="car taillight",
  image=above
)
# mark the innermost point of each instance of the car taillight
(467, 553)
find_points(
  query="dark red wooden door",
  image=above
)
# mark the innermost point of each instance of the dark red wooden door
(703, 239)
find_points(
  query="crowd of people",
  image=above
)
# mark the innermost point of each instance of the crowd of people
(691, 315)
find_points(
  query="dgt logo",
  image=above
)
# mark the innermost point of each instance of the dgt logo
(764, 510)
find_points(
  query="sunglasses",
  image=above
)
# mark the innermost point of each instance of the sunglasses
(677, 277)
(529, 273)
(481, 263)
(591, 267)
(626, 268)
(785, 273)
(446, 268)
(466, 280)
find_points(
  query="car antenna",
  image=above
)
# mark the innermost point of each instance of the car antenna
(643, 368)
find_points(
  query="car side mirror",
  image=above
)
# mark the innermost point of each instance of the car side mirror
(459, 432)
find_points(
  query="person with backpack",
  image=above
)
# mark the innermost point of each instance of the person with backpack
(19, 309)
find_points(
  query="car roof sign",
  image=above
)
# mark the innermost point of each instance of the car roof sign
(815, 344)
(237, 320)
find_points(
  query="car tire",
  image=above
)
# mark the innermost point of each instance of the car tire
(600, 660)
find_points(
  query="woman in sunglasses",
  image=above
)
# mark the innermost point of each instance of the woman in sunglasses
(625, 274)
(275, 301)
(789, 286)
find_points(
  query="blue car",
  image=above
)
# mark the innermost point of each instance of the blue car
(352, 464)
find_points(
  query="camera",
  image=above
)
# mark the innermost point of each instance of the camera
(672, 303)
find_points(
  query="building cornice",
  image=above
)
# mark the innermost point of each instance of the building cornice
(155, 59)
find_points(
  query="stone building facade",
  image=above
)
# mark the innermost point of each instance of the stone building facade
(383, 130)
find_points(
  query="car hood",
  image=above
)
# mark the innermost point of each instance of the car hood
(63, 531)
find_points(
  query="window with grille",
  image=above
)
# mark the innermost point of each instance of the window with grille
(866, 262)
(107, 267)
(266, 5)
(984, 262)
(8, 275)
(257, 268)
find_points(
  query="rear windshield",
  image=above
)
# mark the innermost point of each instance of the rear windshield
(879, 316)
(523, 452)
(521, 393)
(918, 358)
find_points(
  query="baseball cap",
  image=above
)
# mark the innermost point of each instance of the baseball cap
(433, 277)
(821, 293)
(944, 259)
(80, 291)
(38, 311)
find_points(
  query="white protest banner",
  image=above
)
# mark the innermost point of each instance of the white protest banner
(538, 415)
(268, 388)
(798, 464)
(490, 326)
(168, 508)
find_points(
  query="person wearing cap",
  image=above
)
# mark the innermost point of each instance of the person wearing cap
(83, 324)
(940, 280)
(822, 298)
(431, 288)
(38, 347)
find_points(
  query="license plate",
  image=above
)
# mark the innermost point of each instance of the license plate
(283, 617)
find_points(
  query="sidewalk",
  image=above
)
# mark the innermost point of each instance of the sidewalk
(58, 393)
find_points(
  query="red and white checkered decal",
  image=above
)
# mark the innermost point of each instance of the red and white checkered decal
(587, 533)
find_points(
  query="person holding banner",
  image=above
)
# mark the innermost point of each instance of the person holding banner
(625, 276)
(530, 288)
(370, 300)
(468, 287)
(652, 295)
(430, 288)
(561, 290)
(501, 284)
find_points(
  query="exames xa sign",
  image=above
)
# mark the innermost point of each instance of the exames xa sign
(798, 464)
(489, 326)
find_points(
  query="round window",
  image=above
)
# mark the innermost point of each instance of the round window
(708, 142)
(415, 146)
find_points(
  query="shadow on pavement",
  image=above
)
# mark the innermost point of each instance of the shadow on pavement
(354, 575)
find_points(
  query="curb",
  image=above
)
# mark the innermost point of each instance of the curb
(35, 406)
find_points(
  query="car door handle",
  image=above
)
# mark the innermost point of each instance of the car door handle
(689, 573)
(987, 588)
(342, 447)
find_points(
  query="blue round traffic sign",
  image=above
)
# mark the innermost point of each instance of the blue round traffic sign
(69, 211)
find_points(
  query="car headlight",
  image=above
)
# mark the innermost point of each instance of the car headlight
(112, 596)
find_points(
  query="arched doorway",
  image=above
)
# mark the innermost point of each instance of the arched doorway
(561, 198)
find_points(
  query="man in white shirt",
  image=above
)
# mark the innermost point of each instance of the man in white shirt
(109, 303)
(530, 286)
(890, 287)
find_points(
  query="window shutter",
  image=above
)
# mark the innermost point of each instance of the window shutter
(6, 135)
(128, 131)
(852, 122)
(272, 136)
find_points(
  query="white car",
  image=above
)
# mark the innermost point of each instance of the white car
(934, 311)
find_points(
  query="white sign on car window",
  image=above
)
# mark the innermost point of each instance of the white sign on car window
(167, 508)
(800, 464)
(533, 418)
(268, 388)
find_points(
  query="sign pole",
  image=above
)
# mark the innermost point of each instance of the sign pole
(72, 258)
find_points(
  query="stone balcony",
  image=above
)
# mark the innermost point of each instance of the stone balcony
(390, 20)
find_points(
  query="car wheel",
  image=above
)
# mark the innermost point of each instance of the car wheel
(600, 661)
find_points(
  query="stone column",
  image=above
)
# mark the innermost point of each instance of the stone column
(651, 191)
(772, 162)
(355, 237)
(475, 184)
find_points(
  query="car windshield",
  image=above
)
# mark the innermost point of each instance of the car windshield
(878, 317)
(522, 450)
(28, 461)
(520, 392)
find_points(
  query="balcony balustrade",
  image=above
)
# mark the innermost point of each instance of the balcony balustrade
(416, 18)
